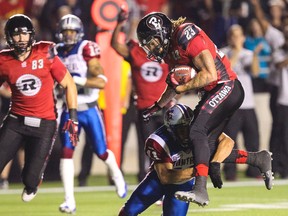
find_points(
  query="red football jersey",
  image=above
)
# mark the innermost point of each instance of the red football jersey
(188, 40)
(148, 77)
(32, 81)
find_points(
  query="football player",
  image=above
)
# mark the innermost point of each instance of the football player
(81, 57)
(179, 43)
(30, 69)
(173, 164)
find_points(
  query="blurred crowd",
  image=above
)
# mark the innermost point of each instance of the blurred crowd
(213, 16)
(255, 19)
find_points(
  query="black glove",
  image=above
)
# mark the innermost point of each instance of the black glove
(215, 175)
(122, 15)
(170, 80)
(72, 128)
(150, 112)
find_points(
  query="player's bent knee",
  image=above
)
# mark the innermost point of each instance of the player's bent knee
(103, 156)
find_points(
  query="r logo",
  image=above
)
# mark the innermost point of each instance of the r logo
(151, 71)
(155, 22)
(28, 84)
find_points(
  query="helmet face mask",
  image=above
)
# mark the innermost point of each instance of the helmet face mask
(155, 50)
(178, 119)
(155, 27)
(181, 132)
(69, 37)
(19, 24)
(66, 26)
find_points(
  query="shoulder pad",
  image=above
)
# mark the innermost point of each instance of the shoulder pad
(6, 51)
(46, 47)
(185, 34)
(43, 44)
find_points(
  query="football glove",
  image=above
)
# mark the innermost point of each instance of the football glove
(150, 112)
(71, 127)
(122, 15)
(171, 81)
(215, 175)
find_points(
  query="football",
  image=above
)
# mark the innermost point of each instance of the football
(183, 73)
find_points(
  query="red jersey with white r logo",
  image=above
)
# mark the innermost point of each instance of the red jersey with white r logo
(32, 80)
(148, 76)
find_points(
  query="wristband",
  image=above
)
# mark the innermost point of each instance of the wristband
(103, 77)
(73, 115)
(81, 81)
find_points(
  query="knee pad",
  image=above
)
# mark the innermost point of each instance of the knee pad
(67, 153)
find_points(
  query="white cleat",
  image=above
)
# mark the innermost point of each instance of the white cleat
(69, 209)
(159, 202)
(121, 187)
(4, 184)
(188, 196)
(27, 196)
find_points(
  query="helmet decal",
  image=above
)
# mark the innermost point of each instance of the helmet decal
(178, 114)
(154, 22)
(170, 114)
(178, 119)
(155, 25)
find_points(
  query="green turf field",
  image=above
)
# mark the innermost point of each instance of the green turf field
(242, 198)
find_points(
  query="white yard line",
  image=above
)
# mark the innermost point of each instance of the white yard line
(258, 183)
(240, 207)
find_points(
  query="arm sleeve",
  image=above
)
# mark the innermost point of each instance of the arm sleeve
(196, 45)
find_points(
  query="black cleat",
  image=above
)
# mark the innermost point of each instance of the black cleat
(263, 161)
(197, 195)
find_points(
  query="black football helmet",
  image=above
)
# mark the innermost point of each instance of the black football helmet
(155, 25)
(178, 119)
(70, 22)
(19, 23)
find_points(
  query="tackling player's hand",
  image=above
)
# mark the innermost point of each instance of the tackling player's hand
(150, 112)
(171, 81)
(215, 175)
(72, 128)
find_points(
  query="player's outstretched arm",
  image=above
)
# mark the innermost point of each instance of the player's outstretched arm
(224, 149)
(168, 175)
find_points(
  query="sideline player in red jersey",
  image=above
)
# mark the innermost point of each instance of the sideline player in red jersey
(30, 70)
(148, 80)
(176, 43)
